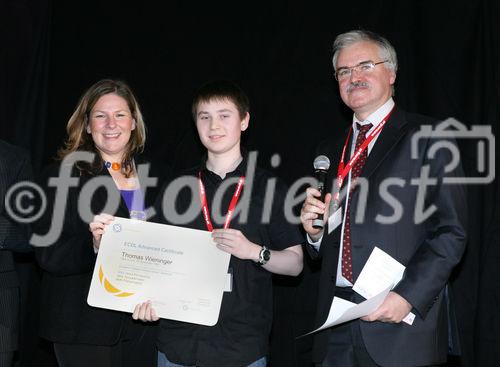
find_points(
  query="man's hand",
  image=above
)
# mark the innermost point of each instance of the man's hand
(394, 309)
(235, 243)
(311, 208)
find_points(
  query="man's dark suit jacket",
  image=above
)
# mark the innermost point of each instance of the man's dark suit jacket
(14, 168)
(65, 316)
(429, 249)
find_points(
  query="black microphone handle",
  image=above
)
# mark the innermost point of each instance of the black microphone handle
(321, 177)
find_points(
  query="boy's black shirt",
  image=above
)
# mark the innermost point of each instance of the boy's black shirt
(241, 335)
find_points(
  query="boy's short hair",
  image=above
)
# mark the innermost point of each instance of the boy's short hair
(221, 90)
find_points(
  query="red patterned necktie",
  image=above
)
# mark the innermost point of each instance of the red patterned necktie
(356, 170)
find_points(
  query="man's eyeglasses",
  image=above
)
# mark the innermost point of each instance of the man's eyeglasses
(363, 67)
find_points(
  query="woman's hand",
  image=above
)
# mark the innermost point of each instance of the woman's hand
(97, 227)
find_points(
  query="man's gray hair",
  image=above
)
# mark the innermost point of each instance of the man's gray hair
(387, 52)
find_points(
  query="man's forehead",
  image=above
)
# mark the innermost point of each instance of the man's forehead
(358, 52)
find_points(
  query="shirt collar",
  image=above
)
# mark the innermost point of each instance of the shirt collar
(376, 117)
(240, 170)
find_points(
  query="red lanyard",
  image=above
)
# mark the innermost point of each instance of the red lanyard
(230, 210)
(344, 169)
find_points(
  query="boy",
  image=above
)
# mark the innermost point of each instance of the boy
(240, 338)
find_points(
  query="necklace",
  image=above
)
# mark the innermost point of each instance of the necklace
(115, 166)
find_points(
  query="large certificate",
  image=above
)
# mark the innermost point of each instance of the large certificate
(180, 270)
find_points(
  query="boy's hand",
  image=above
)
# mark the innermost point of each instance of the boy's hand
(235, 243)
(145, 312)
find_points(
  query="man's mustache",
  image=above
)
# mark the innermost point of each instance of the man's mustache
(356, 85)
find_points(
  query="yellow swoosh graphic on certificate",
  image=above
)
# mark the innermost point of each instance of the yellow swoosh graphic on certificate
(110, 288)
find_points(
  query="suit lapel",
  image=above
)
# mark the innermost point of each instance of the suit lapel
(4, 176)
(392, 132)
(122, 208)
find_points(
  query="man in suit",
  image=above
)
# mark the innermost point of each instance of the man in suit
(392, 200)
(14, 167)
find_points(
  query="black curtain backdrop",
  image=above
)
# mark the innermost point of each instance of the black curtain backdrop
(280, 54)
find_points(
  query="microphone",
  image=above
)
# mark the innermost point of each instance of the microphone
(321, 165)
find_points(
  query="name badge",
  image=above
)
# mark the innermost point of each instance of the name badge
(229, 281)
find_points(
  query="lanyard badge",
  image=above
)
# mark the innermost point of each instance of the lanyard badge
(344, 169)
(230, 209)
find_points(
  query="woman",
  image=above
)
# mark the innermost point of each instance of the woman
(108, 123)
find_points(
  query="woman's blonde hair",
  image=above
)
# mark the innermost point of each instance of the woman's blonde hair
(79, 139)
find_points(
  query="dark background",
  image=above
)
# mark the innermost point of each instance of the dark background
(280, 54)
